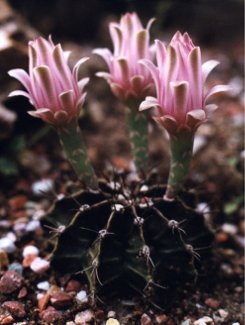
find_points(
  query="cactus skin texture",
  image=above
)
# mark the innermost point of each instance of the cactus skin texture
(121, 242)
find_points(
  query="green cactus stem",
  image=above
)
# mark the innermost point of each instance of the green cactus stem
(138, 130)
(181, 146)
(74, 146)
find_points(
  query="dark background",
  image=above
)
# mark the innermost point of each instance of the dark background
(212, 22)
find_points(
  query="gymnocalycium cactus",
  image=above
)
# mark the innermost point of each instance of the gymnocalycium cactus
(123, 236)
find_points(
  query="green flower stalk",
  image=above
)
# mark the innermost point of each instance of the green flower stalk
(130, 81)
(57, 95)
(180, 102)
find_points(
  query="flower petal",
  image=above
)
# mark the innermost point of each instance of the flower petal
(21, 76)
(67, 100)
(217, 89)
(77, 66)
(207, 67)
(194, 118)
(180, 93)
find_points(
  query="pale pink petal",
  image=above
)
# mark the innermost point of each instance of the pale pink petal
(64, 72)
(43, 79)
(168, 122)
(61, 117)
(19, 93)
(153, 71)
(105, 54)
(207, 67)
(195, 117)
(149, 102)
(217, 89)
(142, 40)
(195, 76)
(82, 83)
(104, 75)
(77, 66)
(21, 76)
(67, 100)
(180, 93)
(117, 37)
(160, 52)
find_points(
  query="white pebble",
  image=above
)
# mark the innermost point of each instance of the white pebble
(111, 314)
(39, 265)
(11, 236)
(44, 285)
(84, 317)
(30, 250)
(42, 186)
(20, 228)
(7, 245)
(118, 207)
(82, 296)
(144, 188)
(229, 228)
(203, 321)
(33, 225)
(236, 323)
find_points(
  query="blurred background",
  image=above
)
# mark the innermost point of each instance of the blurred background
(82, 25)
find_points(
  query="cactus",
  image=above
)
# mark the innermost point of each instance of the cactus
(127, 241)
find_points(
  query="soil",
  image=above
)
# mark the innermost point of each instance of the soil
(34, 172)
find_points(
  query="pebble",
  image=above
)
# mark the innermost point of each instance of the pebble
(7, 244)
(44, 285)
(4, 261)
(15, 308)
(19, 228)
(10, 282)
(82, 297)
(42, 186)
(39, 265)
(160, 319)
(229, 229)
(33, 225)
(204, 320)
(144, 188)
(212, 303)
(112, 321)
(83, 317)
(28, 260)
(61, 299)
(145, 320)
(30, 250)
(111, 314)
(50, 315)
(43, 301)
(17, 267)
(6, 319)
(223, 313)
(22, 293)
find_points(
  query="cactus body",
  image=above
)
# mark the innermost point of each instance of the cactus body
(119, 242)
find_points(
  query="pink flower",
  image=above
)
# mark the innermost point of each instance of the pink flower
(126, 76)
(179, 79)
(52, 88)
